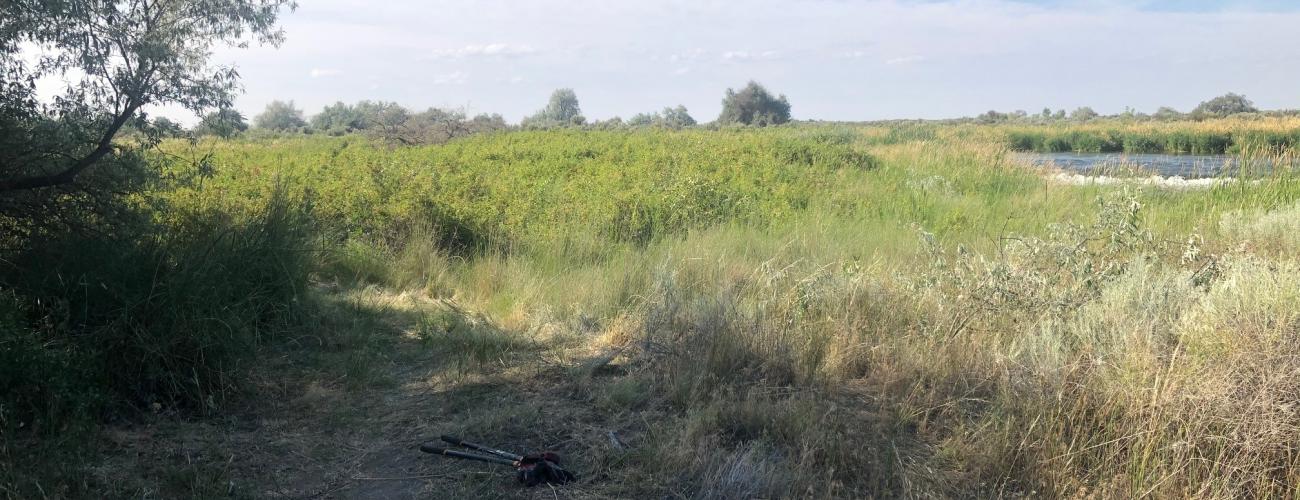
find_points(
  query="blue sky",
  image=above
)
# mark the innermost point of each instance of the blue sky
(835, 59)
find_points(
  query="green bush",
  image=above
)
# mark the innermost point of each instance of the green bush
(164, 315)
(44, 383)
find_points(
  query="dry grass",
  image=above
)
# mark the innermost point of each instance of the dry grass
(947, 326)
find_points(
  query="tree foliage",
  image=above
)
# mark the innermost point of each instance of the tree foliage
(221, 123)
(338, 118)
(280, 115)
(128, 54)
(992, 116)
(393, 123)
(381, 115)
(754, 105)
(561, 110)
(678, 117)
(167, 128)
(1165, 113)
(1225, 105)
(671, 117)
(1084, 113)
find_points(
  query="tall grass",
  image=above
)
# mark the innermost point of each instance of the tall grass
(166, 316)
(1229, 136)
(802, 311)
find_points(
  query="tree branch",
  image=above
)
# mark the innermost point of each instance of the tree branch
(70, 174)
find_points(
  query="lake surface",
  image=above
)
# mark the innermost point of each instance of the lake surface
(1186, 166)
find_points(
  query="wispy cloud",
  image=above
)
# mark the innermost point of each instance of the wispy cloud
(694, 54)
(904, 60)
(489, 50)
(625, 57)
(746, 55)
(453, 78)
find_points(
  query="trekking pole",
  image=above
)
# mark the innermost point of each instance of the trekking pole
(427, 448)
(500, 453)
(531, 470)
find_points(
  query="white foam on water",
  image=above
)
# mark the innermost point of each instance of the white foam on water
(1174, 182)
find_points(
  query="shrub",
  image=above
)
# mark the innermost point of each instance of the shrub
(163, 315)
(1274, 232)
(43, 384)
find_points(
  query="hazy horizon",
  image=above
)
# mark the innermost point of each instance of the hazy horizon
(835, 60)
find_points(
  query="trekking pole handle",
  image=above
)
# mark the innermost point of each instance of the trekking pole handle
(500, 453)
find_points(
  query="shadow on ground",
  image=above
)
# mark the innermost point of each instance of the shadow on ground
(341, 415)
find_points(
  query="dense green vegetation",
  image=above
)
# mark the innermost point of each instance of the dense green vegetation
(1264, 136)
(783, 302)
(520, 190)
(717, 311)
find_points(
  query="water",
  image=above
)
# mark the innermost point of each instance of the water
(1186, 166)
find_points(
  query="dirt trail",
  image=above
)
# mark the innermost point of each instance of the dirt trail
(313, 435)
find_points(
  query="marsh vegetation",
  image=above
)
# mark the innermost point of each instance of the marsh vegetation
(804, 310)
(748, 308)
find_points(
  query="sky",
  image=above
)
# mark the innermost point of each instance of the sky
(834, 59)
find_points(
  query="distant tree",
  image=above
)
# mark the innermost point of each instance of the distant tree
(127, 56)
(1225, 105)
(338, 118)
(563, 106)
(221, 123)
(484, 122)
(1059, 114)
(672, 117)
(1084, 113)
(643, 119)
(562, 110)
(431, 126)
(612, 123)
(677, 117)
(165, 127)
(991, 116)
(1167, 114)
(754, 105)
(280, 115)
(381, 115)
(1047, 113)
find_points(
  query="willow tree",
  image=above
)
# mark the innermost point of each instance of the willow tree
(117, 58)
(754, 105)
(561, 110)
